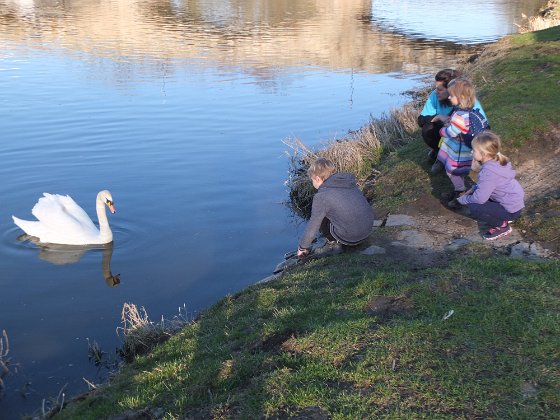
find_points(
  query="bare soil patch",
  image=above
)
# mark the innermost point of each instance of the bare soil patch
(538, 164)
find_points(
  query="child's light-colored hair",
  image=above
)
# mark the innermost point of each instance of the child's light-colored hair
(321, 167)
(489, 144)
(463, 89)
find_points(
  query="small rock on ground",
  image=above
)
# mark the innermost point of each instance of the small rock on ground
(528, 251)
(374, 250)
(415, 239)
(400, 220)
(457, 243)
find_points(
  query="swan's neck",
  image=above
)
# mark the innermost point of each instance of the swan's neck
(104, 229)
(111, 280)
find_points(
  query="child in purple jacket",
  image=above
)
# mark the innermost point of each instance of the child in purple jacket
(497, 197)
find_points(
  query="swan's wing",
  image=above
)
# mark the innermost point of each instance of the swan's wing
(31, 227)
(58, 213)
(74, 209)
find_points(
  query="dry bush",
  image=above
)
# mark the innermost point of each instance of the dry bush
(547, 18)
(140, 335)
(538, 23)
(133, 318)
(357, 153)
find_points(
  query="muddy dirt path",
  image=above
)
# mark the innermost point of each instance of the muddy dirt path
(426, 233)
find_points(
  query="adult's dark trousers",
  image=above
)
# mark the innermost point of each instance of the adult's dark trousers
(492, 213)
(430, 134)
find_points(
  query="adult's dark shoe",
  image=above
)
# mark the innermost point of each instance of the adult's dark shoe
(450, 195)
(432, 155)
(450, 199)
(453, 204)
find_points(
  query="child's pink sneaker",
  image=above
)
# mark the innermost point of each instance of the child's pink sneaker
(497, 232)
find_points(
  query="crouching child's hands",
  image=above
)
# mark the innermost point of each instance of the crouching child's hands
(463, 196)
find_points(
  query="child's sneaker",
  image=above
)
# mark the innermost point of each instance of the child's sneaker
(329, 248)
(497, 232)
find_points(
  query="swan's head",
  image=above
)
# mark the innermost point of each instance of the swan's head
(106, 198)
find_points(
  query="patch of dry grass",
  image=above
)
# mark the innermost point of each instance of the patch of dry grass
(537, 23)
(547, 18)
(140, 335)
(357, 153)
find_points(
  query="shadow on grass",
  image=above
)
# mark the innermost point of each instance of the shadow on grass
(550, 34)
(406, 177)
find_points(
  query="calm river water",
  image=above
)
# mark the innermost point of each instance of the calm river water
(179, 107)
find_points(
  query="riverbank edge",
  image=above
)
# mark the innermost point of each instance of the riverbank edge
(309, 273)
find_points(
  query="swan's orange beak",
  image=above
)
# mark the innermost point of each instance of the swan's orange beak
(111, 207)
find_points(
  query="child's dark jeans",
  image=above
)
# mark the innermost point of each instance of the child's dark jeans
(492, 213)
(325, 230)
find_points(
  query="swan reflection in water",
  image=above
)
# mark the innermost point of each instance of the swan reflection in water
(70, 254)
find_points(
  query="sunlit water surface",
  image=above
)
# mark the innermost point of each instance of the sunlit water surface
(180, 109)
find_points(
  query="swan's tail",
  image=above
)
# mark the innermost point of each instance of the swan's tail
(30, 227)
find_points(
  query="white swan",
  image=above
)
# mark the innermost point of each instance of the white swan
(61, 221)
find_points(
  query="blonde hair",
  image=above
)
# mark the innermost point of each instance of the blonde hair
(321, 167)
(463, 89)
(488, 144)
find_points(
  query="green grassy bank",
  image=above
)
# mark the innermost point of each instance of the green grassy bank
(353, 337)
(348, 338)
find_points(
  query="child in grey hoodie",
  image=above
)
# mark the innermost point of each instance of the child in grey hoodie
(339, 210)
(497, 197)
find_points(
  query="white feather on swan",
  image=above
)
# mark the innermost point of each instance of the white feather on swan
(61, 221)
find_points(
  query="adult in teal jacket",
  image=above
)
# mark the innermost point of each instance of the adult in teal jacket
(436, 113)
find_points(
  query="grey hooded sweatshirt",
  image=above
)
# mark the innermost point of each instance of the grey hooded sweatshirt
(340, 200)
(497, 183)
